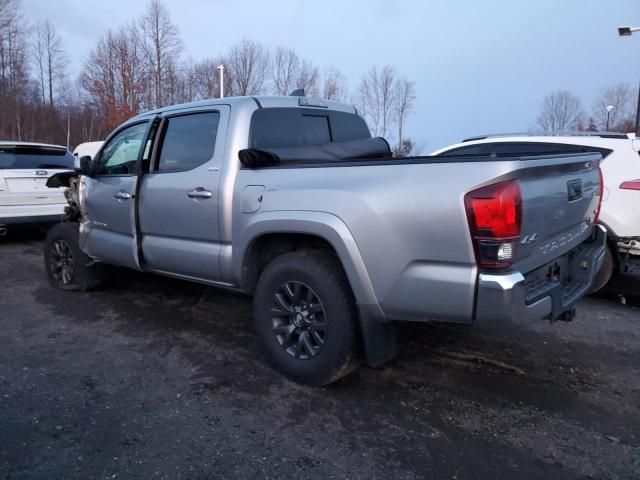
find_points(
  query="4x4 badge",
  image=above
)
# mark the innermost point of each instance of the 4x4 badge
(529, 239)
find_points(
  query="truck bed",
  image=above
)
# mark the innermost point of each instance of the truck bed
(407, 217)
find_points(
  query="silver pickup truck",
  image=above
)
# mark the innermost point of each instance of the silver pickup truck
(290, 200)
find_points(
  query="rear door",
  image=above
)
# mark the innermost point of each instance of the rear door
(179, 197)
(24, 171)
(108, 231)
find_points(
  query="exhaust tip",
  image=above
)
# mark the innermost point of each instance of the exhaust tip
(3, 230)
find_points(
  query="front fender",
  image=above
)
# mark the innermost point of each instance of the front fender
(321, 224)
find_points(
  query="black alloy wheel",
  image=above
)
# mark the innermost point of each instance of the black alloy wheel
(299, 320)
(61, 262)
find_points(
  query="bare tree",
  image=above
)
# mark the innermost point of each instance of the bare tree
(248, 63)
(286, 64)
(308, 78)
(405, 99)
(289, 73)
(40, 61)
(406, 148)
(50, 59)
(162, 46)
(335, 85)
(206, 79)
(14, 78)
(377, 99)
(623, 98)
(115, 75)
(561, 111)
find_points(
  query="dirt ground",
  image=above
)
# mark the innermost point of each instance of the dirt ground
(157, 378)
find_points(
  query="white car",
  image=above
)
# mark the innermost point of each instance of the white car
(620, 170)
(87, 149)
(24, 171)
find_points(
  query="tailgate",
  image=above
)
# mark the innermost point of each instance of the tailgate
(24, 170)
(560, 197)
(28, 187)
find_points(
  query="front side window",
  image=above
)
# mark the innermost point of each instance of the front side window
(189, 141)
(120, 155)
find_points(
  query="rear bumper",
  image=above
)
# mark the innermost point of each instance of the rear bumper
(12, 214)
(521, 299)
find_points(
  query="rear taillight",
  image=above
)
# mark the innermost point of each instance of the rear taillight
(600, 196)
(630, 185)
(494, 213)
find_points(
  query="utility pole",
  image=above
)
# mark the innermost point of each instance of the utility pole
(609, 110)
(221, 70)
(627, 32)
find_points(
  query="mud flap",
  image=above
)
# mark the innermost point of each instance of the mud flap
(379, 340)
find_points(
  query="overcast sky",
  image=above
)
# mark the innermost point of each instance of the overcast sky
(479, 66)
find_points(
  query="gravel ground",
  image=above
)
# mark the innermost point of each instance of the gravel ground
(156, 378)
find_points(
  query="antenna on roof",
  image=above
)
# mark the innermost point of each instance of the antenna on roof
(297, 93)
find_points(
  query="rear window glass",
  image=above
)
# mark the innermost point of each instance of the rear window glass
(26, 158)
(301, 127)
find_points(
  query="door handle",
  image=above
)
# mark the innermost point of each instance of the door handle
(200, 192)
(122, 195)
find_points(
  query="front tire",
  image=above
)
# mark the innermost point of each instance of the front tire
(306, 318)
(67, 267)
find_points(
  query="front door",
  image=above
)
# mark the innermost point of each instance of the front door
(178, 204)
(108, 228)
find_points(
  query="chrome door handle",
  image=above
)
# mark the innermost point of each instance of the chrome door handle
(122, 195)
(200, 193)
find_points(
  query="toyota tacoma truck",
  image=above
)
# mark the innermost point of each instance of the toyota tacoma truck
(291, 200)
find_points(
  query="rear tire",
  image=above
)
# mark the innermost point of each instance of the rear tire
(605, 273)
(67, 267)
(306, 317)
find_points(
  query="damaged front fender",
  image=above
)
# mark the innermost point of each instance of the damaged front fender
(70, 180)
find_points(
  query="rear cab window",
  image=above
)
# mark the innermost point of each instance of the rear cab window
(19, 158)
(303, 127)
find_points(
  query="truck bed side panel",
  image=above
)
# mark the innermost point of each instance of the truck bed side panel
(409, 222)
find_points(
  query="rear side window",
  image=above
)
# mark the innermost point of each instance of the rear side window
(302, 127)
(31, 157)
(189, 141)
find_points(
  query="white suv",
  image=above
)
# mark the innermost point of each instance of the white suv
(620, 170)
(24, 171)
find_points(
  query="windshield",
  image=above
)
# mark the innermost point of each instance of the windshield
(34, 157)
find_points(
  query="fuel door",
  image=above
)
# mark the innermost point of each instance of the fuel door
(252, 198)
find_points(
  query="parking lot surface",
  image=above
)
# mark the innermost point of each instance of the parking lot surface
(158, 378)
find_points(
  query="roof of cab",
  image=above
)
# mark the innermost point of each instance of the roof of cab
(259, 101)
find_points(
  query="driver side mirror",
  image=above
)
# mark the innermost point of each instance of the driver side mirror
(87, 166)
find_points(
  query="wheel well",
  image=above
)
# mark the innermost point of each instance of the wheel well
(269, 246)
